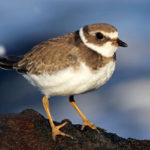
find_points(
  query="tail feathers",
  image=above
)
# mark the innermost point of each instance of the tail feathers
(7, 62)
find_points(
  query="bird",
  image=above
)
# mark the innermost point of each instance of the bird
(68, 65)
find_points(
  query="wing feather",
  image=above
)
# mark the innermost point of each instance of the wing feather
(49, 56)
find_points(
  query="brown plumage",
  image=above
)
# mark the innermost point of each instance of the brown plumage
(60, 53)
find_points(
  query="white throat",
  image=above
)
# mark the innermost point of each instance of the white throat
(106, 50)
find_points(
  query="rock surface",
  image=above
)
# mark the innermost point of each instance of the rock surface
(29, 130)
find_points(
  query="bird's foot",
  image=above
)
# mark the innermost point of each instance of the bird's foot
(56, 131)
(90, 124)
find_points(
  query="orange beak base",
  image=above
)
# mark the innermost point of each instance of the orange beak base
(115, 43)
(118, 42)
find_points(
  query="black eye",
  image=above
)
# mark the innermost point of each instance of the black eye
(99, 35)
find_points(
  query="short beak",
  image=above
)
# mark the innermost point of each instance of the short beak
(121, 43)
(118, 42)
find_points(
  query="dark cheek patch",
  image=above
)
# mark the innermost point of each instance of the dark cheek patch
(93, 39)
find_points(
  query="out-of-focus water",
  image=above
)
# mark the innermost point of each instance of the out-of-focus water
(121, 106)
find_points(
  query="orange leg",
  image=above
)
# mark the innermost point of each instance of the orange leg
(55, 129)
(86, 122)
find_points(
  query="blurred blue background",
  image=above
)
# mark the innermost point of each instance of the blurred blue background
(122, 105)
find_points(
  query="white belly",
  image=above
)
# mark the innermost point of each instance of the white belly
(71, 82)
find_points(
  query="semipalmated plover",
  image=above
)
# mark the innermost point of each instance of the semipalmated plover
(71, 64)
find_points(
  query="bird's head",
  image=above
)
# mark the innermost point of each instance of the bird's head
(102, 38)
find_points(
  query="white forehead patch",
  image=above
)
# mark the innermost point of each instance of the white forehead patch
(106, 50)
(111, 35)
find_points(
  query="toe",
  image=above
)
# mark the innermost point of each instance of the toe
(62, 125)
(90, 124)
(56, 131)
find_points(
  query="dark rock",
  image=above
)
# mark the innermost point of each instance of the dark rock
(29, 130)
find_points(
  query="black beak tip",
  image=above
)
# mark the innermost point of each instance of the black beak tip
(125, 45)
(121, 43)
